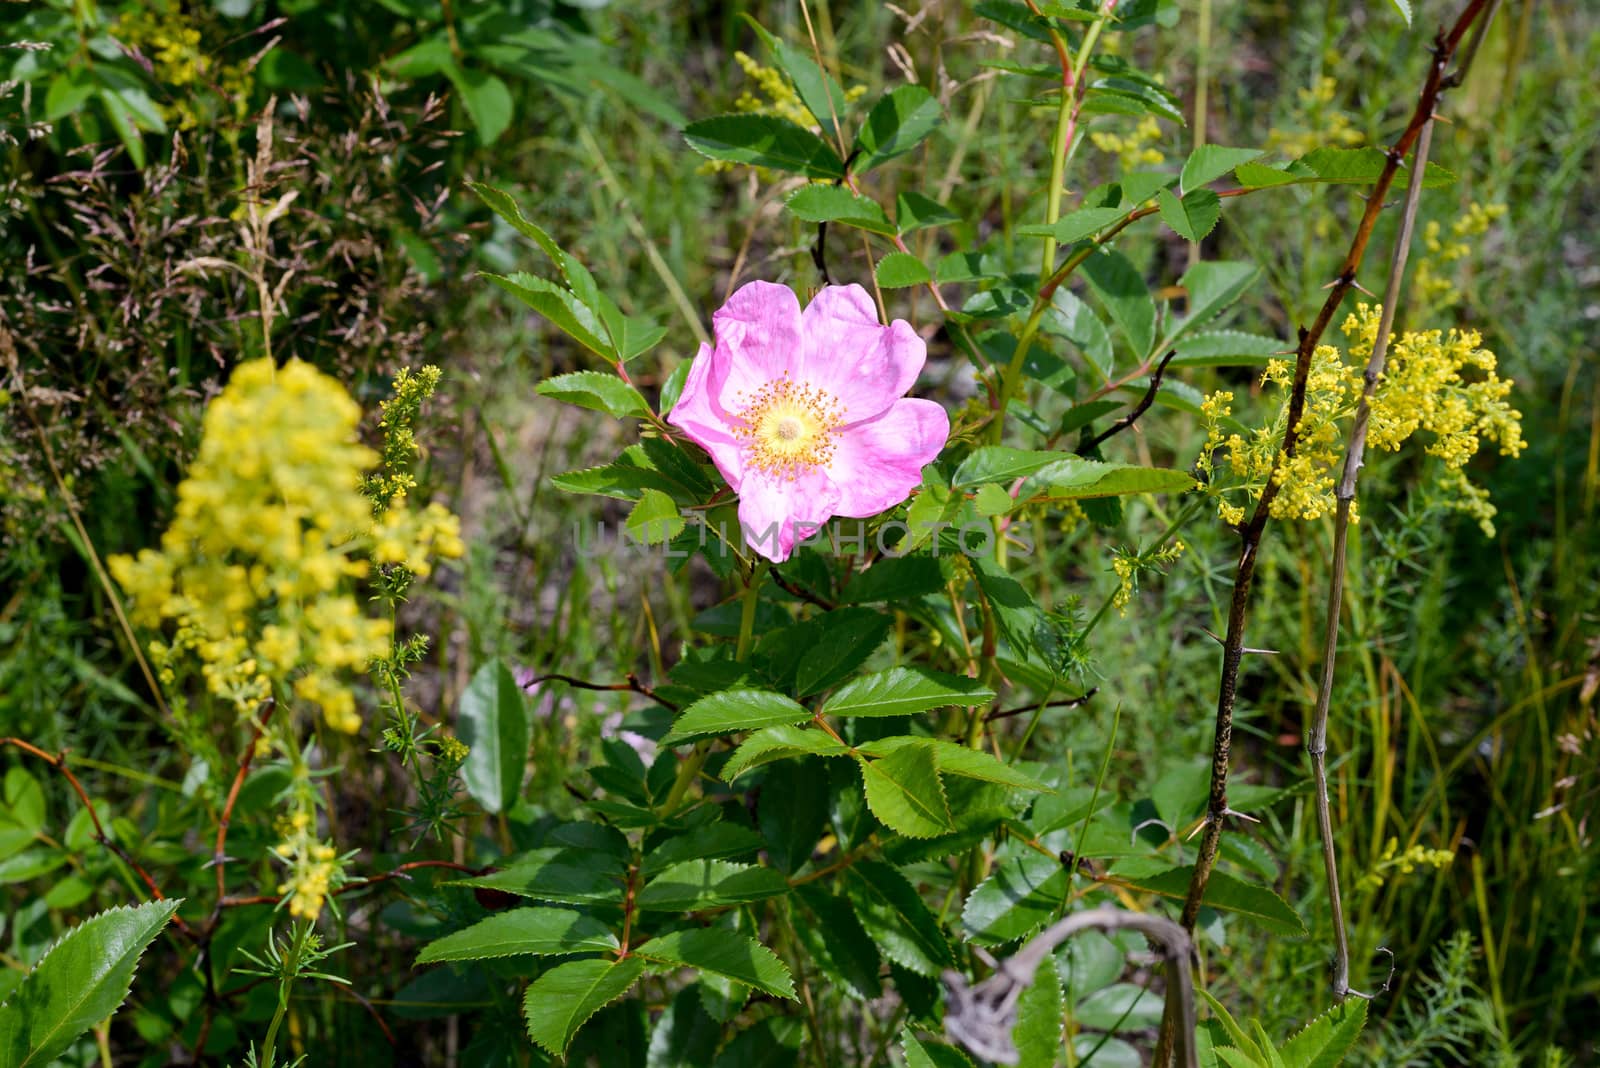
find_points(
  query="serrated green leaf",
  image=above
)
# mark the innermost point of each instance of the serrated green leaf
(896, 124)
(716, 842)
(1226, 348)
(1121, 289)
(929, 1053)
(597, 391)
(897, 578)
(505, 206)
(1209, 162)
(1192, 217)
(1075, 225)
(732, 711)
(561, 1000)
(898, 920)
(1040, 1008)
(992, 500)
(817, 89)
(487, 99)
(732, 956)
(81, 981)
(954, 759)
(655, 518)
(704, 884)
(1021, 895)
(569, 314)
(898, 270)
(563, 875)
(1325, 1041)
(531, 931)
(913, 211)
(1404, 7)
(840, 943)
(1224, 891)
(764, 141)
(849, 636)
(492, 719)
(1212, 286)
(904, 791)
(905, 691)
(1077, 478)
(1069, 317)
(778, 743)
(1001, 463)
(1338, 166)
(835, 203)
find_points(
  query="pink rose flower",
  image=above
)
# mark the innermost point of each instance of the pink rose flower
(805, 413)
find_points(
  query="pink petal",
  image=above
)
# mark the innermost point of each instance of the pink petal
(699, 420)
(866, 365)
(776, 512)
(878, 463)
(758, 341)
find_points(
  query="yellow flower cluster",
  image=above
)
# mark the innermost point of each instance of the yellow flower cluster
(313, 866)
(1135, 150)
(1432, 287)
(1326, 125)
(1397, 863)
(172, 43)
(270, 530)
(1424, 387)
(1130, 565)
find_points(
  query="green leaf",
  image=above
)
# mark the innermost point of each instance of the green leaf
(1001, 463)
(904, 791)
(840, 943)
(905, 691)
(899, 579)
(561, 1000)
(1069, 317)
(532, 931)
(121, 119)
(732, 711)
(1075, 225)
(898, 920)
(913, 211)
(898, 270)
(1193, 217)
(704, 884)
(1239, 1035)
(1212, 286)
(778, 743)
(1339, 166)
(1324, 1042)
(992, 500)
(503, 205)
(1209, 162)
(817, 89)
(1024, 893)
(23, 814)
(732, 956)
(896, 124)
(81, 981)
(597, 391)
(1404, 7)
(835, 203)
(655, 518)
(561, 307)
(685, 1036)
(1121, 289)
(850, 635)
(715, 842)
(764, 141)
(1119, 1007)
(487, 100)
(1037, 1034)
(931, 1053)
(954, 759)
(493, 721)
(1224, 891)
(564, 875)
(1077, 478)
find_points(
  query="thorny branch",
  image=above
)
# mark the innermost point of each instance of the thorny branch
(1139, 409)
(1445, 44)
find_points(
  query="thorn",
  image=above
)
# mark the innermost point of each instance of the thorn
(1213, 636)
(985, 956)
(1363, 289)
(1240, 816)
(214, 861)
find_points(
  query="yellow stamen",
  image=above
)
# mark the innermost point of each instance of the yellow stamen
(789, 428)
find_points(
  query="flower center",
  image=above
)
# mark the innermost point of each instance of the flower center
(788, 428)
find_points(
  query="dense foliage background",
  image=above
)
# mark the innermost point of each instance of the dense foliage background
(136, 250)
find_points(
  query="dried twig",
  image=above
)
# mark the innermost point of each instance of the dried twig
(1139, 409)
(981, 1017)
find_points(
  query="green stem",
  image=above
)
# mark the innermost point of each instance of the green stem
(689, 770)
